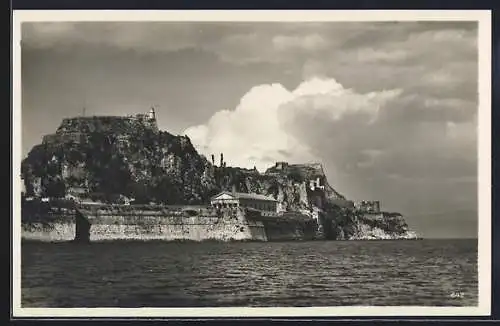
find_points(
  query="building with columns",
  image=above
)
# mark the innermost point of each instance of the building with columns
(233, 199)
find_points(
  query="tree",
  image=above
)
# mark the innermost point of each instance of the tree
(54, 188)
(168, 191)
(139, 191)
(296, 176)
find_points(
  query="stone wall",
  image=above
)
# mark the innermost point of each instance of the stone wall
(49, 232)
(100, 222)
(172, 224)
(121, 222)
(289, 226)
(282, 230)
(114, 124)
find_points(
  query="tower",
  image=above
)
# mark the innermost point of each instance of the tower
(152, 115)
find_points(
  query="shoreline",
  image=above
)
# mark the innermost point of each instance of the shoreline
(187, 241)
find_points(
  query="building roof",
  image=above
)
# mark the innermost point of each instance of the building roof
(246, 195)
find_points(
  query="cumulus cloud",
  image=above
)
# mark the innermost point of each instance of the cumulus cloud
(256, 132)
(251, 134)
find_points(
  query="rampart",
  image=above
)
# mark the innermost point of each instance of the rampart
(101, 222)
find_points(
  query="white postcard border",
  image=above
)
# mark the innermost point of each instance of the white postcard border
(484, 156)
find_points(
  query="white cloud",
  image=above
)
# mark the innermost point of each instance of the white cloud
(256, 132)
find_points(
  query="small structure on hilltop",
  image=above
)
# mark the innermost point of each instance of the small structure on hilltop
(77, 191)
(281, 166)
(369, 206)
(152, 114)
(234, 199)
(148, 119)
(317, 183)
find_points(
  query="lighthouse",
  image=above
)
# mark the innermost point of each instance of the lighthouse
(152, 114)
(151, 119)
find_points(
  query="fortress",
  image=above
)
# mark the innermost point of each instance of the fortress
(76, 129)
(118, 177)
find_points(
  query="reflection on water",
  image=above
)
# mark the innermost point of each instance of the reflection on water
(316, 273)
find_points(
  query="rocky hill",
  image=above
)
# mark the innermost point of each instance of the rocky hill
(111, 158)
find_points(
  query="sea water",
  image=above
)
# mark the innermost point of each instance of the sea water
(258, 274)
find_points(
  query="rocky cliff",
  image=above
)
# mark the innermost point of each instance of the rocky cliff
(109, 159)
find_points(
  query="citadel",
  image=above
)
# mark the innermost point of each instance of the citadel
(75, 129)
(287, 201)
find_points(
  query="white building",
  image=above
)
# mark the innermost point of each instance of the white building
(228, 199)
(316, 184)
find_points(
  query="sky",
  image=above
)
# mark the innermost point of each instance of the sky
(389, 108)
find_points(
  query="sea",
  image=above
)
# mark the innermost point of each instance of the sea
(251, 274)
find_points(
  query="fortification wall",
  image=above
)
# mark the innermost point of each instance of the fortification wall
(76, 129)
(282, 230)
(159, 230)
(41, 222)
(194, 223)
(49, 232)
(128, 223)
(172, 224)
(289, 226)
(114, 124)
